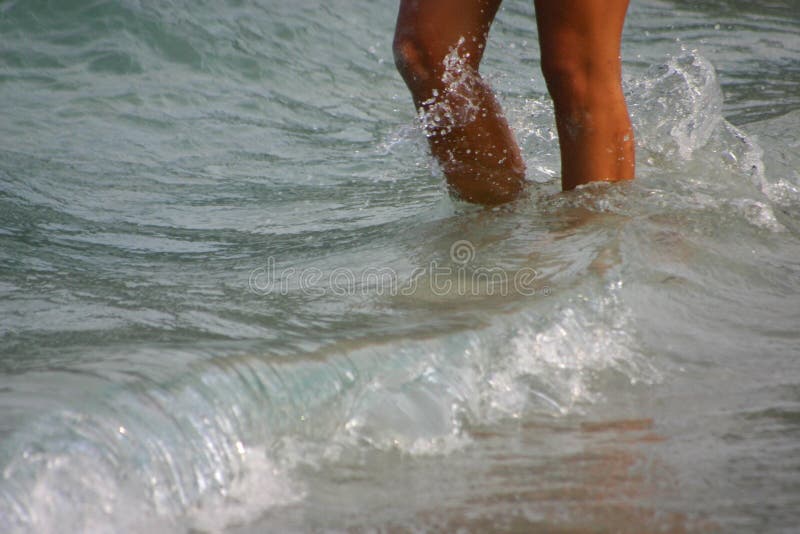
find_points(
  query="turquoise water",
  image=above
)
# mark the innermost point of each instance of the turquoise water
(236, 298)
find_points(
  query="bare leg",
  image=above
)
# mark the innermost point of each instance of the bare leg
(580, 42)
(438, 47)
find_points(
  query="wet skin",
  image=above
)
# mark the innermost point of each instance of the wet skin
(438, 47)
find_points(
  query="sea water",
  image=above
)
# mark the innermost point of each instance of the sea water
(235, 296)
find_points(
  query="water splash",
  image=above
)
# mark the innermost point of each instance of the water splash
(677, 106)
(453, 108)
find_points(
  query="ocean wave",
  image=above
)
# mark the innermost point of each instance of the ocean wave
(184, 144)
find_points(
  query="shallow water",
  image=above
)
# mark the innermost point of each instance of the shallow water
(235, 296)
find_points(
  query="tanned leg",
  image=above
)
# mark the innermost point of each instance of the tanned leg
(438, 47)
(580, 43)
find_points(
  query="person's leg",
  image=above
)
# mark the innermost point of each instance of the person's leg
(438, 46)
(580, 43)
